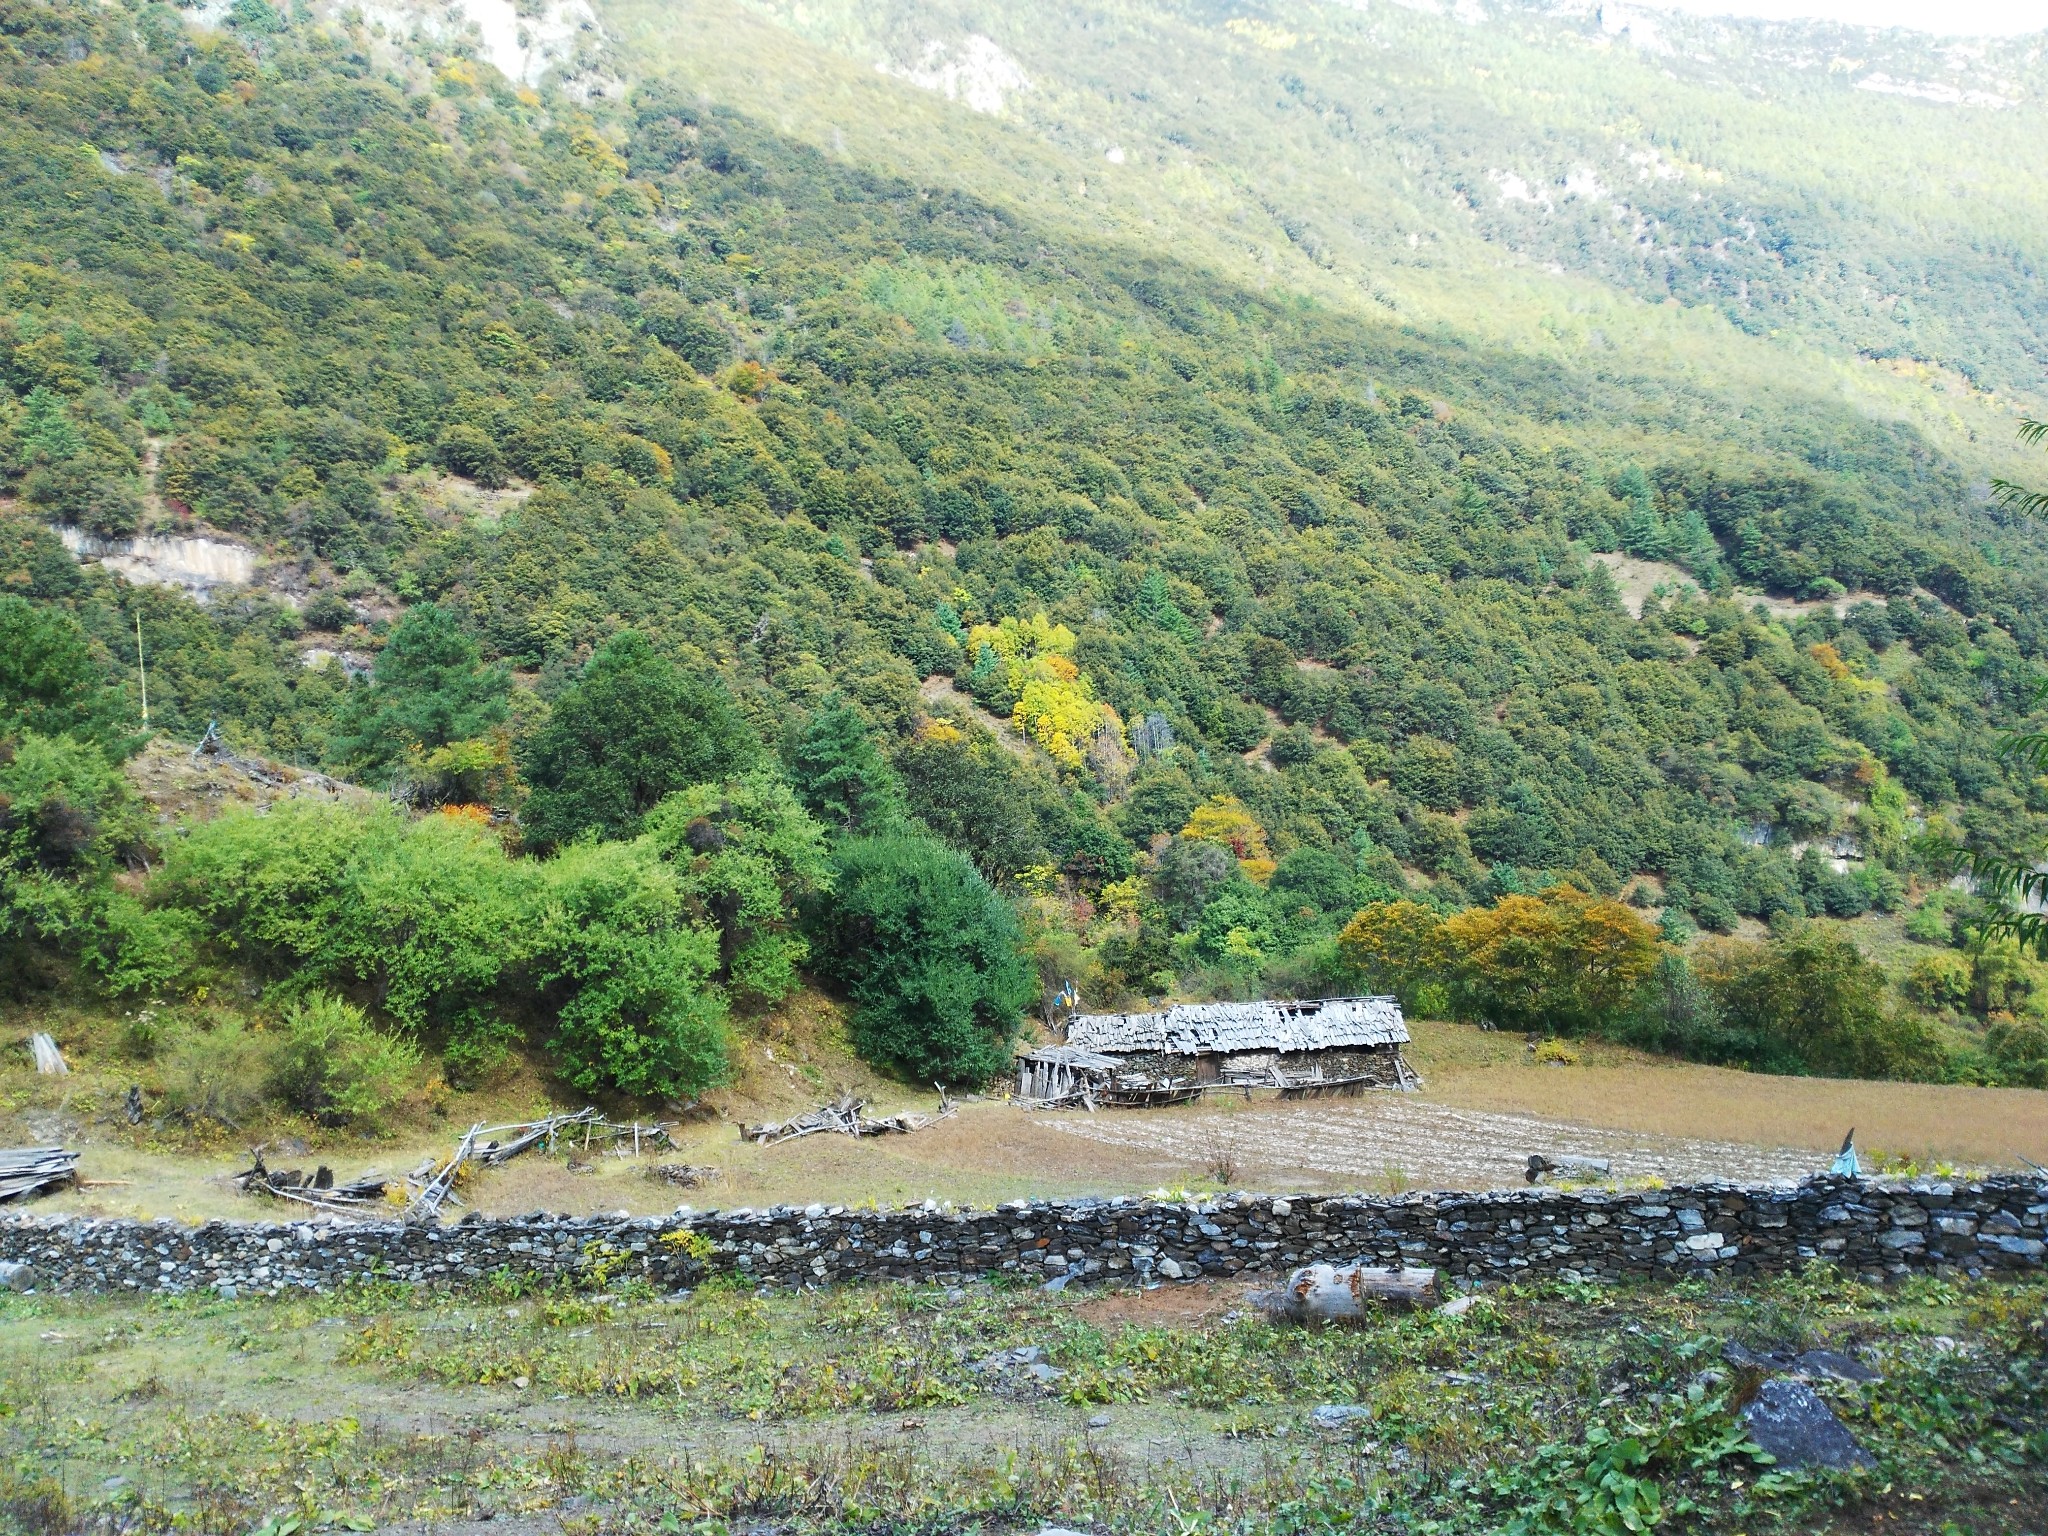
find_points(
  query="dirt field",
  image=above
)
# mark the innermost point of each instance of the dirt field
(1484, 1109)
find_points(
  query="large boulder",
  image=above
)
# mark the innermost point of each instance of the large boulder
(1789, 1420)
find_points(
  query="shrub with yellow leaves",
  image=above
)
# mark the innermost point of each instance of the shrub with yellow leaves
(1055, 704)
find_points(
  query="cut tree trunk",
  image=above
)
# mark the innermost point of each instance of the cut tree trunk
(1348, 1293)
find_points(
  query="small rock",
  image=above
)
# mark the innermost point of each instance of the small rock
(1099, 1421)
(1458, 1306)
(1789, 1420)
(521, 1382)
(1742, 1357)
(1339, 1415)
(1829, 1365)
(1171, 1268)
(1057, 1283)
(226, 1292)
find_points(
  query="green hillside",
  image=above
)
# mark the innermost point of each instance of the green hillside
(1205, 554)
(1531, 180)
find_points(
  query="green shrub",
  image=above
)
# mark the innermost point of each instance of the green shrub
(745, 853)
(51, 682)
(2019, 1047)
(634, 729)
(221, 1074)
(929, 955)
(332, 1064)
(629, 976)
(67, 821)
(1810, 1002)
(1939, 980)
(431, 913)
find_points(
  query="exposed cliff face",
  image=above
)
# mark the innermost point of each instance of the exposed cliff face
(201, 566)
(975, 71)
(524, 43)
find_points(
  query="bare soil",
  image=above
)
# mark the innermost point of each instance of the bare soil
(1485, 1107)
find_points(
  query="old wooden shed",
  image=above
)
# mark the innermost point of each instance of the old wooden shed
(1302, 1048)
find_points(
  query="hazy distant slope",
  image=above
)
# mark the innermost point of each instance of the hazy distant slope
(1743, 200)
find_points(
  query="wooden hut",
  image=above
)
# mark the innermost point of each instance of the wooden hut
(1304, 1049)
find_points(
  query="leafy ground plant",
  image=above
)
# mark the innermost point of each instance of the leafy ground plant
(1540, 1411)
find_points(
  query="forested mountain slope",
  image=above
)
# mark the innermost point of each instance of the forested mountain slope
(1518, 173)
(827, 385)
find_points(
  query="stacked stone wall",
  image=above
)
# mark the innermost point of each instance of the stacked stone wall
(1868, 1227)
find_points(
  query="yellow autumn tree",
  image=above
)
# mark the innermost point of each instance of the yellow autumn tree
(1563, 961)
(1396, 946)
(1223, 820)
(1056, 704)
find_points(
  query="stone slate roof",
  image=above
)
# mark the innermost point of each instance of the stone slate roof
(1203, 1029)
(1068, 1056)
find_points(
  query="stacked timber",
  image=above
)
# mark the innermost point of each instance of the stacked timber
(26, 1172)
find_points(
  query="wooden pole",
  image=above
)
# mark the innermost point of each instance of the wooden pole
(141, 669)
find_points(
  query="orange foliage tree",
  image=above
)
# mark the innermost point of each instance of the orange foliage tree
(1223, 820)
(1562, 962)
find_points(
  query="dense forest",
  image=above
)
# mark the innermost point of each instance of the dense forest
(730, 566)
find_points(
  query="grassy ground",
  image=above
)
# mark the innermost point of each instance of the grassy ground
(1486, 1106)
(876, 1409)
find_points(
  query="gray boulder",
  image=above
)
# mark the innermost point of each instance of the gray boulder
(1338, 1416)
(1789, 1420)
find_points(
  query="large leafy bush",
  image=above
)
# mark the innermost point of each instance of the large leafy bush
(929, 955)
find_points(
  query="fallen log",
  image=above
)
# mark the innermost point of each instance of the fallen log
(317, 1188)
(1587, 1168)
(842, 1117)
(1347, 1293)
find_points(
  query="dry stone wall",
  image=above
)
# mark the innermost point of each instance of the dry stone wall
(1872, 1228)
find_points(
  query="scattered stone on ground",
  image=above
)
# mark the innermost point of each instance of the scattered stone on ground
(1809, 1365)
(683, 1175)
(1026, 1359)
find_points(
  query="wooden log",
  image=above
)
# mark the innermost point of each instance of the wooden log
(1348, 1293)
(49, 1060)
